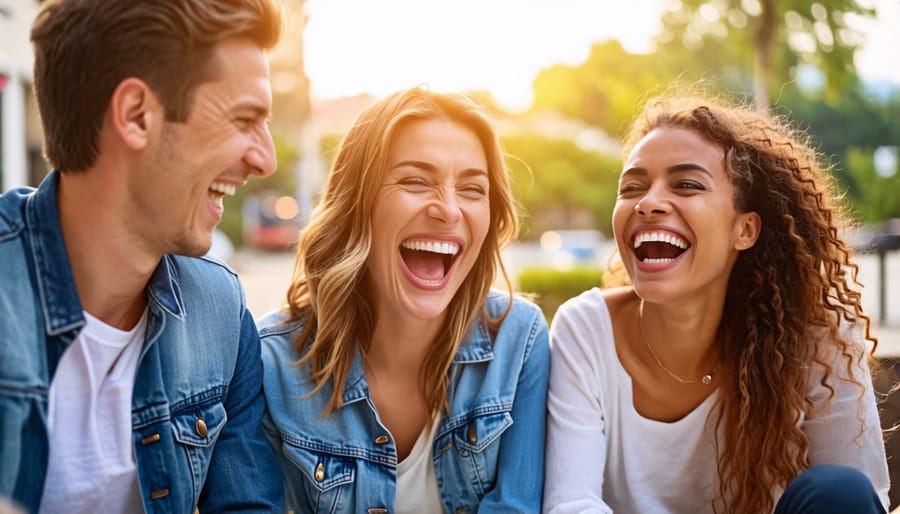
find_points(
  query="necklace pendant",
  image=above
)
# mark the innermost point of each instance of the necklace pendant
(707, 379)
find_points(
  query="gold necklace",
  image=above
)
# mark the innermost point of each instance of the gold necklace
(703, 379)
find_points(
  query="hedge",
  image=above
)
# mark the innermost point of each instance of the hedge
(550, 287)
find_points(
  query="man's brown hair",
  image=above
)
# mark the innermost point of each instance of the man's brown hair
(85, 48)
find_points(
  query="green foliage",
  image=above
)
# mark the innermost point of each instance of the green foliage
(608, 89)
(604, 91)
(874, 198)
(854, 119)
(282, 182)
(723, 42)
(846, 132)
(770, 37)
(559, 184)
(328, 147)
(552, 287)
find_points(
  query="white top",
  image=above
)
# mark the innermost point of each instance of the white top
(602, 456)
(417, 490)
(91, 466)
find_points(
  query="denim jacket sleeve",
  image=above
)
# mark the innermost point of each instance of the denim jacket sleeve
(244, 474)
(520, 470)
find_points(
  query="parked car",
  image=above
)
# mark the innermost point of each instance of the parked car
(272, 222)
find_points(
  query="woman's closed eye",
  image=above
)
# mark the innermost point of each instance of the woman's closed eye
(630, 187)
(473, 191)
(414, 183)
(690, 185)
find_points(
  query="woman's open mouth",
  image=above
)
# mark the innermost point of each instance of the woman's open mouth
(658, 247)
(429, 261)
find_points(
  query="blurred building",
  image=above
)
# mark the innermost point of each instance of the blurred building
(20, 131)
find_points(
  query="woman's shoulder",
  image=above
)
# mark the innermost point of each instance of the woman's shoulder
(519, 305)
(277, 333)
(518, 312)
(277, 323)
(589, 302)
(584, 323)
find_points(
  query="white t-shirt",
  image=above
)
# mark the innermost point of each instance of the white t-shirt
(602, 456)
(91, 466)
(417, 490)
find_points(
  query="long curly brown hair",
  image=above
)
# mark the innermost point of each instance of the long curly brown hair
(787, 297)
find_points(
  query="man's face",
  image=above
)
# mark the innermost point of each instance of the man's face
(191, 166)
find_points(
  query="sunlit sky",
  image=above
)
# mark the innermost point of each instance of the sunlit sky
(356, 46)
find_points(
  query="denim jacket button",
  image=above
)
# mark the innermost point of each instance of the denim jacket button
(320, 472)
(201, 427)
(382, 439)
(150, 439)
(472, 437)
(377, 511)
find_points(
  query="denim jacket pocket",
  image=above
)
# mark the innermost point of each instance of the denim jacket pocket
(322, 476)
(196, 428)
(200, 425)
(477, 448)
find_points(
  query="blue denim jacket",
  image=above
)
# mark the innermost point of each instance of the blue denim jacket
(200, 360)
(488, 452)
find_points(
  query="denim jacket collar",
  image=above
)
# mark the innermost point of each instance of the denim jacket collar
(59, 299)
(476, 348)
(163, 288)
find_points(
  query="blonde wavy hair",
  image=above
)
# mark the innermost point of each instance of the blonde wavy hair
(786, 297)
(329, 289)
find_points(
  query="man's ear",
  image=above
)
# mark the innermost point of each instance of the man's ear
(747, 227)
(134, 112)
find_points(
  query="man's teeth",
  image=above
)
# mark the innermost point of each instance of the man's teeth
(660, 237)
(443, 247)
(225, 189)
(657, 261)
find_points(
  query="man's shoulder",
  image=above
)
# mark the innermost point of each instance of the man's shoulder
(12, 208)
(207, 267)
(198, 278)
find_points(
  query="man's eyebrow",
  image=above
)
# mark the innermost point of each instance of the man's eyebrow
(258, 110)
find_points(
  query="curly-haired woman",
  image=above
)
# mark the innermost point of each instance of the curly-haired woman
(732, 374)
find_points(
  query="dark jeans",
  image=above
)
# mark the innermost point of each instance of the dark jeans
(829, 489)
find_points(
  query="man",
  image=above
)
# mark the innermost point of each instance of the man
(130, 372)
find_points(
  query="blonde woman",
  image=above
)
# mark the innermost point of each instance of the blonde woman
(731, 375)
(396, 380)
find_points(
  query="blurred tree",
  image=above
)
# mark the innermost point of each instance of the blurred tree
(609, 87)
(855, 120)
(560, 185)
(290, 85)
(847, 132)
(874, 198)
(604, 90)
(771, 37)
